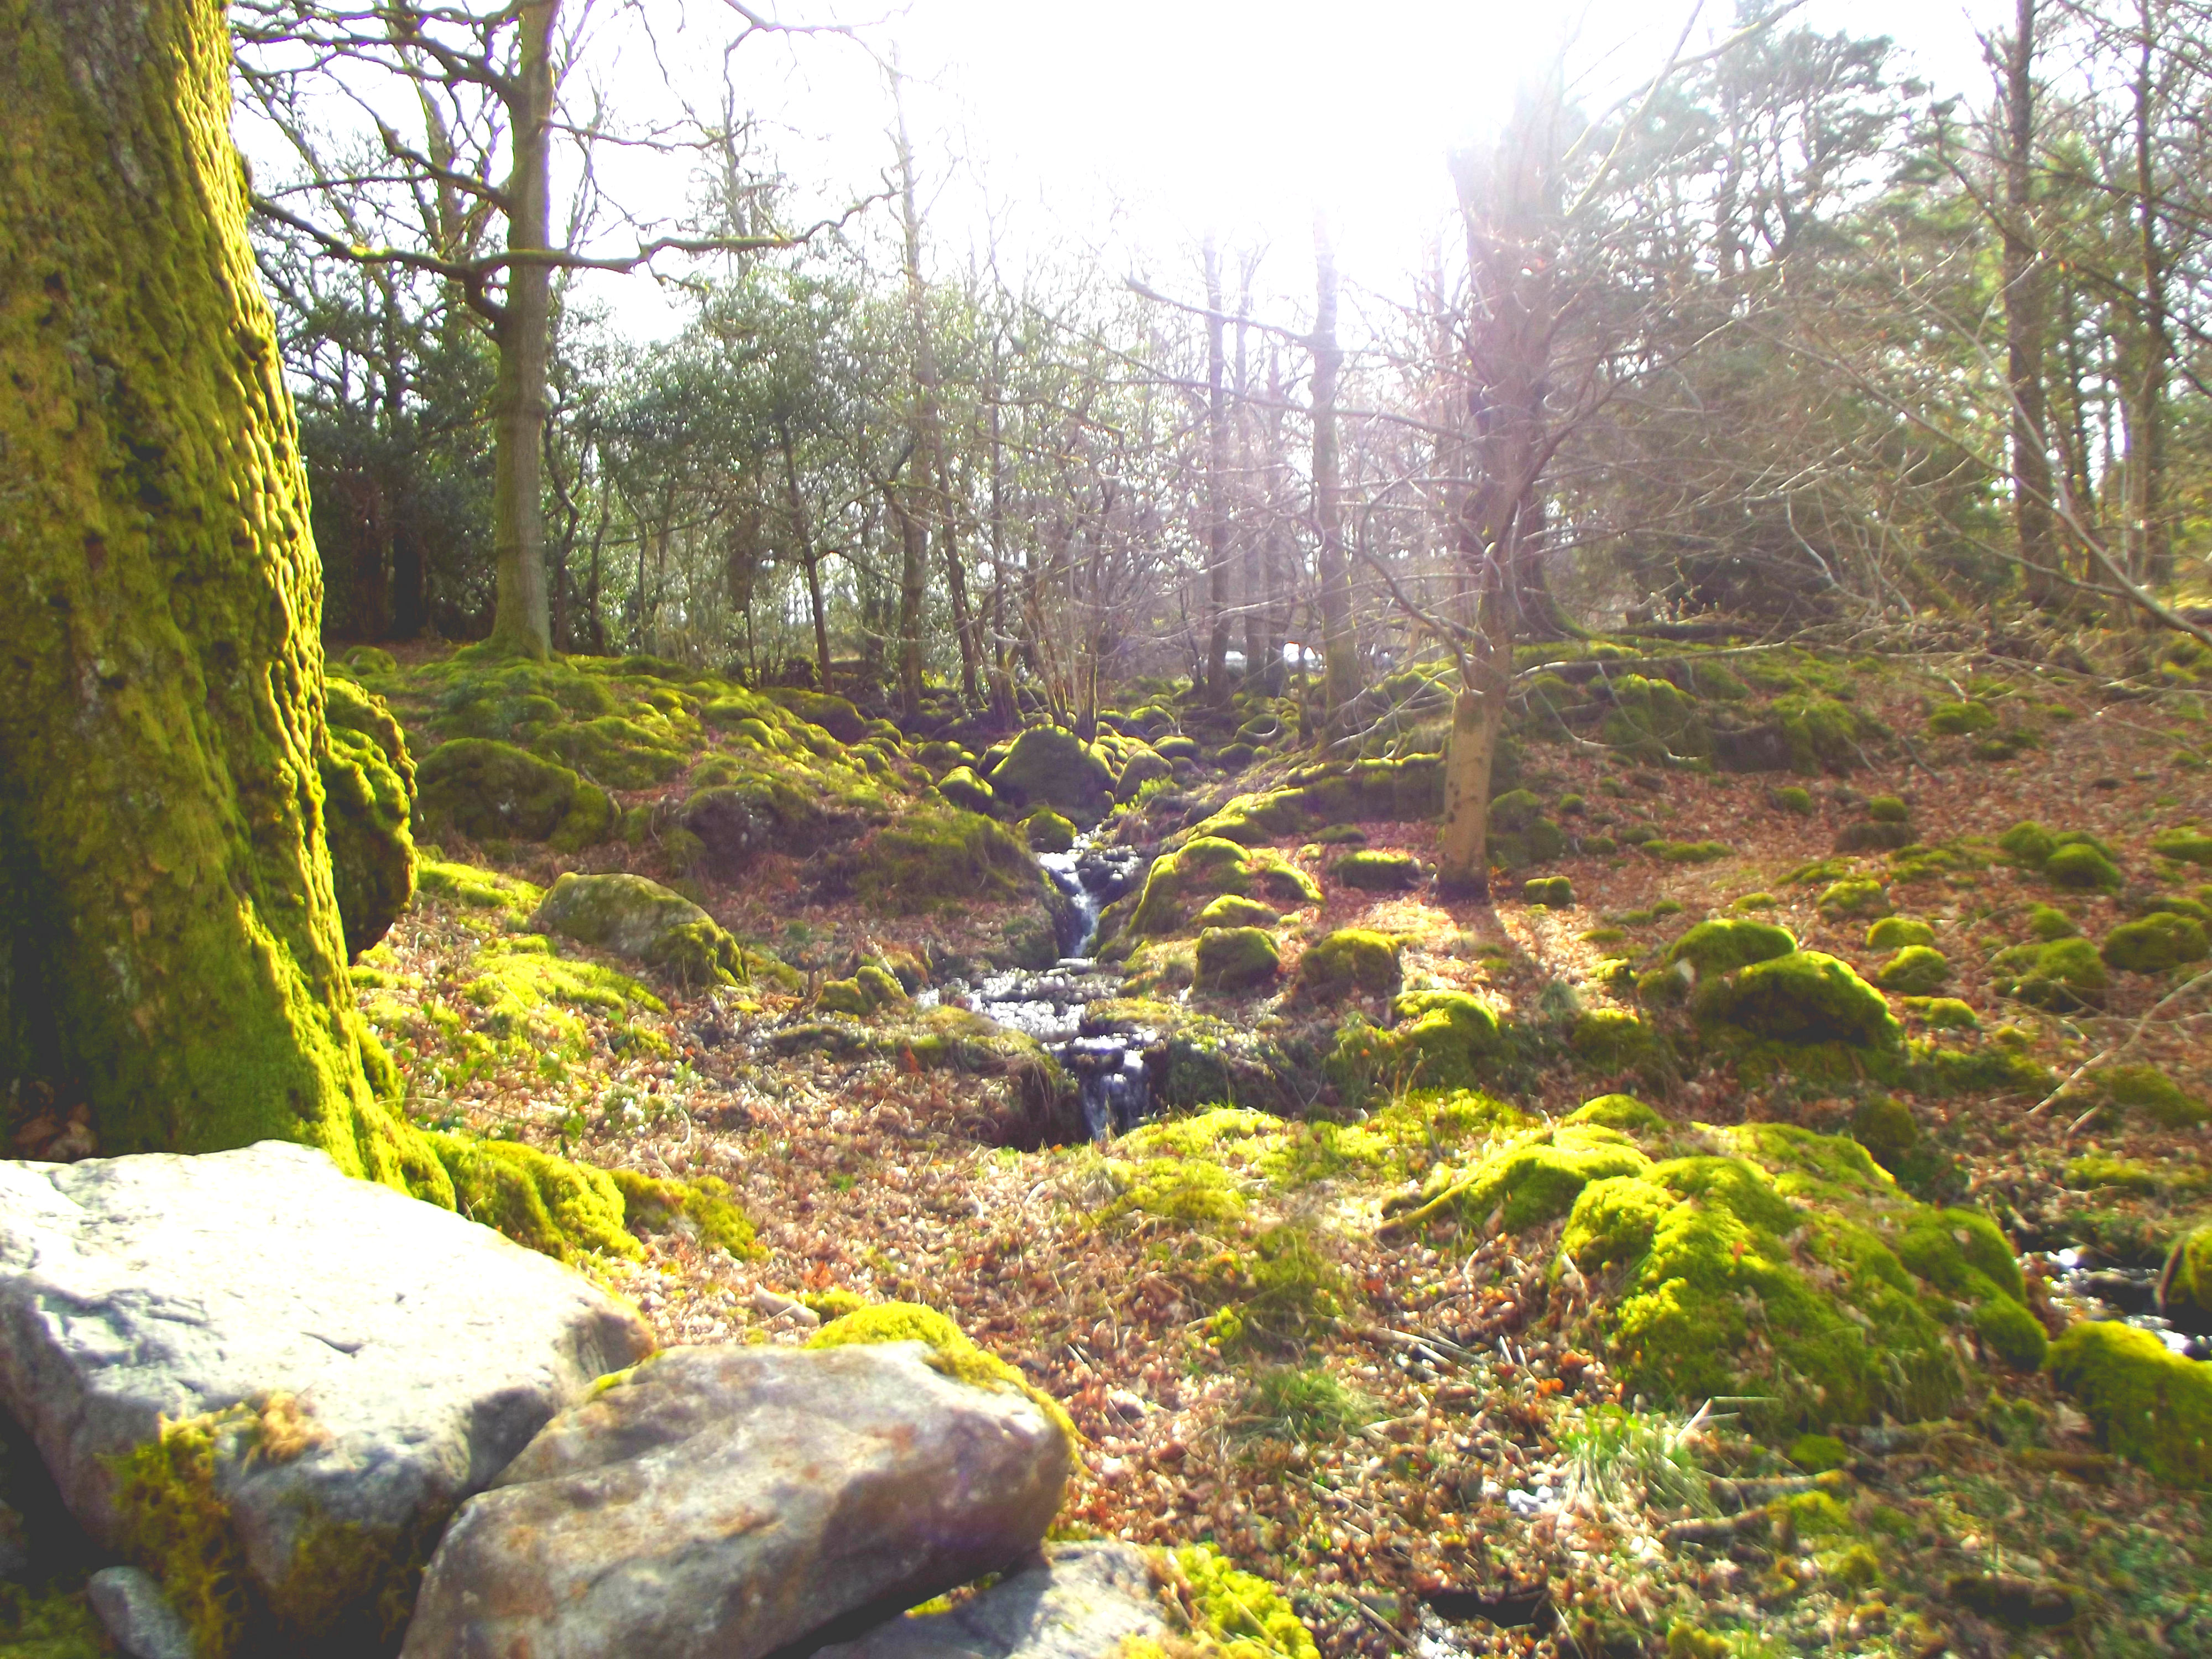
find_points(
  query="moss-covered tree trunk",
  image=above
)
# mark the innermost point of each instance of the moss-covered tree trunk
(171, 943)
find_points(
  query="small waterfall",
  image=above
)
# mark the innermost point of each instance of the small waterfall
(1109, 1067)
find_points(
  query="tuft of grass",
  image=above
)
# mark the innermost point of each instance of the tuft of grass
(1302, 1403)
(1619, 1463)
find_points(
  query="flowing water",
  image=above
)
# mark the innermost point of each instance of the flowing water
(2129, 1295)
(1108, 1066)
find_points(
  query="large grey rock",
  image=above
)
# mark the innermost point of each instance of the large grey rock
(725, 1501)
(129, 1602)
(1074, 1601)
(376, 1359)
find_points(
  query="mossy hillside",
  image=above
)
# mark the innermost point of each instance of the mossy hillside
(1207, 868)
(485, 789)
(931, 859)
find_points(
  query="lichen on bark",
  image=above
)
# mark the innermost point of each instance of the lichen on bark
(161, 700)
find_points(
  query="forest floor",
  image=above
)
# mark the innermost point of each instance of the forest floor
(1432, 1469)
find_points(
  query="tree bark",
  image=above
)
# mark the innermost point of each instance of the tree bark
(1339, 645)
(521, 621)
(170, 952)
(2150, 538)
(2027, 290)
(1217, 488)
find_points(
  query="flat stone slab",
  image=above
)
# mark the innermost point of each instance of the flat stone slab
(409, 1353)
(722, 1501)
(1073, 1601)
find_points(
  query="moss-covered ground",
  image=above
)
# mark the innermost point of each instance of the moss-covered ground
(1739, 1354)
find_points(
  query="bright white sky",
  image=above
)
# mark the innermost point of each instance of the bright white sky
(1131, 128)
(1116, 134)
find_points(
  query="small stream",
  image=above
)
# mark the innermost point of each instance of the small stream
(2129, 1295)
(1108, 1066)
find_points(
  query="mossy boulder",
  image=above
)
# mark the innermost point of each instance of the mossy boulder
(1806, 997)
(1351, 959)
(2048, 922)
(1046, 831)
(2185, 1284)
(1888, 808)
(2188, 846)
(2065, 974)
(1786, 1268)
(1231, 911)
(1613, 1037)
(1623, 1113)
(2083, 867)
(1520, 834)
(2150, 1092)
(2148, 1404)
(1885, 1126)
(1792, 798)
(1958, 720)
(368, 802)
(1533, 1182)
(1441, 1040)
(2027, 843)
(614, 751)
(1255, 820)
(835, 715)
(870, 988)
(966, 791)
(1377, 871)
(1724, 945)
(642, 920)
(483, 789)
(1049, 767)
(1145, 765)
(1916, 970)
(1852, 895)
(1895, 932)
(1207, 868)
(1943, 1013)
(1554, 892)
(1233, 959)
(936, 857)
(2155, 944)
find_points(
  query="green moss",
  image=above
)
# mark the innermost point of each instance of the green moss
(171, 1522)
(1245, 1615)
(933, 858)
(1688, 851)
(1377, 871)
(1351, 959)
(2083, 867)
(2066, 974)
(1207, 868)
(951, 1352)
(1276, 1295)
(1233, 959)
(1722, 946)
(2148, 1089)
(1557, 892)
(1894, 932)
(2188, 846)
(485, 789)
(1624, 1113)
(1916, 970)
(1195, 1192)
(1943, 1013)
(2013, 1335)
(1046, 831)
(1254, 820)
(613, 752)
(2156, 944)
(2101, 1171)
(1806, 997)
(702, 1207)
(1792, 798)
(1885, 1126)
(963, 789)
(2046, 923)
(1439, 1042)
(2149, 1404)
(547, 1204)
(1852, 895)
(1823, 733)
(1613, 1037)
(368, 799)
(1533, 1181)
(1231, 911)
(1046, 767)
(1956, 720)
(480, 888)
(2027, 843)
